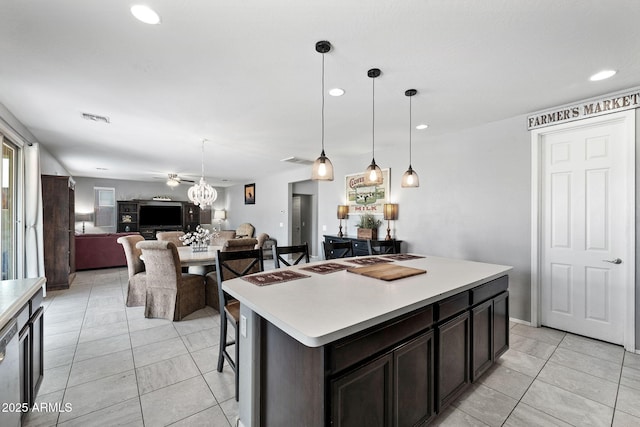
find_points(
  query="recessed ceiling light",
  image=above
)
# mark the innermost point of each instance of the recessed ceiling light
(336, 91)
(422, 126)
(602, 75)
(145, 14)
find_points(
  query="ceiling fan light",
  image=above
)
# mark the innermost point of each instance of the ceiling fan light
(410, 179)
(322, 169)
(373, 174)
(172, 182)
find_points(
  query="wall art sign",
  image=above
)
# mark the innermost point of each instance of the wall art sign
(363, 198)
(590, 108)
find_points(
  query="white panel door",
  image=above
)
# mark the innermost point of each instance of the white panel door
(584, 239)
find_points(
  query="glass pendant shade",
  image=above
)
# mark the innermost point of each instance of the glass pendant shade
(322, 169)
(373, 174)
(202, 194)
(410, 178)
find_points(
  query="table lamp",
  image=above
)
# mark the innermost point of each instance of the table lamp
(84, 217)
(343, 212)
(390, 211)
(220, 215)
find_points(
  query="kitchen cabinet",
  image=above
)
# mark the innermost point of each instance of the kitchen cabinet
(58, 224)
(31, 339)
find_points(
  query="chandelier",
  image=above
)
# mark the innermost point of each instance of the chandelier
(202, 194)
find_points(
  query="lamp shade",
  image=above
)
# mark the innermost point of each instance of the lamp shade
(84, 216)
(343, 211)
(220, 214)
(390, 211)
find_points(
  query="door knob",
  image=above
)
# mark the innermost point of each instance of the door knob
(613, 261)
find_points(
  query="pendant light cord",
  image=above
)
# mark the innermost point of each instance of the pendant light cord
(373, 121)
(410, 130)
(322, 105)
(203, 158)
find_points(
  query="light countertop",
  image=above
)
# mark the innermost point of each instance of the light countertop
(323, 308)
(14, 294)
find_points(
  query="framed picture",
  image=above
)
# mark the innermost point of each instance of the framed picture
(363, 198)
(250, 194)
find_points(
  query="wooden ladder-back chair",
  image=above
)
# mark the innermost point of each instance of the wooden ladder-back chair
(229, 265)
(299, 253)
(333, 250)
(379, 247)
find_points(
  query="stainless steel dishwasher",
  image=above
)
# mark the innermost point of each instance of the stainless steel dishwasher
(10, 413)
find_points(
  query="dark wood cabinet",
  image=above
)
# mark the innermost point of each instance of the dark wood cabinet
(363, 397)
(453, 359)
(360, 247)
(31, 340)
(128, 217)
(58, 229)
(190, 217)
(413, 368)
(401, 373)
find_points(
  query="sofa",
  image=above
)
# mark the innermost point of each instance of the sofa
(99, 251)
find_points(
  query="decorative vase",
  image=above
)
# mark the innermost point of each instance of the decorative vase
(368, 233)
(199, 247)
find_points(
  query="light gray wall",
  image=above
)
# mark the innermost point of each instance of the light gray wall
(473, 201)
(129, 190)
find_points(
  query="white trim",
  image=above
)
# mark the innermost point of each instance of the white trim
(629, 119)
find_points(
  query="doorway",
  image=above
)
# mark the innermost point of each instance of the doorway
(583, 253)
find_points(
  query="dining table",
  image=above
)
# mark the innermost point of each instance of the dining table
(198, 262)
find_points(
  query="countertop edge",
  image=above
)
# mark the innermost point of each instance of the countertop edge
(319, 341)
(14, 308)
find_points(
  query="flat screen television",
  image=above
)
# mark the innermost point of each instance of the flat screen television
(160, 215)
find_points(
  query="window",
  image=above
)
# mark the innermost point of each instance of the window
(105, 206)
(8, 218)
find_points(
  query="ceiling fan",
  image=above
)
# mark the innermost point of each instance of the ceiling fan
(173, 180)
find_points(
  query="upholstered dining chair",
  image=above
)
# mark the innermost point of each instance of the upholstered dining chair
(379, 247)
(296, 254)
(262, 237)
(245, 230)
(333, 250)
(171, 294)
(229, 265)
(171, 236)
(137, 285)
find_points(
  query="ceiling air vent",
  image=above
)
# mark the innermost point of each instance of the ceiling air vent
(297, 161)
(95, 118)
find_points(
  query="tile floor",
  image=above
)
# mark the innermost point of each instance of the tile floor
(114, 367)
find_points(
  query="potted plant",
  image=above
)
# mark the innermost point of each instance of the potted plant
(368, 227)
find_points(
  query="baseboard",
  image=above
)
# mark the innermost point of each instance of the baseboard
(522, 322)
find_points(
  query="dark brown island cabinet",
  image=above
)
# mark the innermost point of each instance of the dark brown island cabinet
(401, 373)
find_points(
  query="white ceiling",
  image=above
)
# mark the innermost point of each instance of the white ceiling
(245, 75)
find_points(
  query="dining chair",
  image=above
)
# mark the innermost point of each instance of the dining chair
(379, 247)
(229, 265)
(171, 236)
(299, 253)
(171, 294)
(333, 250)
(137, 284)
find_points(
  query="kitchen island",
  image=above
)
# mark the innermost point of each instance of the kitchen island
(344, 349)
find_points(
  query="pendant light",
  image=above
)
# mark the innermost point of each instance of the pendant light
(202, 194)
(322, 167)
(410, 177)
(373, 174)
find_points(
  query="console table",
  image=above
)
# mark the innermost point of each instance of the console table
(359, 245)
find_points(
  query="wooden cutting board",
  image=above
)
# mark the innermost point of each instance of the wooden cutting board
(386, 272)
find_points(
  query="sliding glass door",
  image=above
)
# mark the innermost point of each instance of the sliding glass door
(8, 214)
